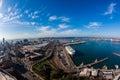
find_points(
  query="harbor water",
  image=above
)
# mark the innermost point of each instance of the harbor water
(92, 50)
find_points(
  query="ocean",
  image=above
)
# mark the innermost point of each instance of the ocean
(92, 50)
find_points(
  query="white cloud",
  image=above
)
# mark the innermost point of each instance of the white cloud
(9, 9)
(63, 19)
(11, 17)
(33, 15)
(52, 18)
(33, 23)
(26, 11)
(49, 31)
(93, 25)
(111, 9)
(1, 2)
(36, 12)
(43, 28)
(1, 15)
(24, 23)
(20, 22)
(69, 32)
(15, 6)
(14, 15)
(62, 26)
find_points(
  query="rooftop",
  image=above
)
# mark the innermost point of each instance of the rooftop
(6, 76)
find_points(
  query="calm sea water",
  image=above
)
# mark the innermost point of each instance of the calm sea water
(92, 50)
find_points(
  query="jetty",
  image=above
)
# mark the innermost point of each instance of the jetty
(74, 43)
(116, 54)
(96, 62)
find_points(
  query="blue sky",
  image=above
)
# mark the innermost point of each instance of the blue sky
(59, 18)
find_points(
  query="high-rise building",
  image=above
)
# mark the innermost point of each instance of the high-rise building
(3, 40)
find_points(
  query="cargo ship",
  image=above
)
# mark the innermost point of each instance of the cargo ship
(70, 50)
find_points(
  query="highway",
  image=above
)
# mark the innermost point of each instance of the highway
(29, 74)
(49, 51)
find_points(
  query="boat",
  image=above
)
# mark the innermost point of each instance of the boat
(70, 50)
(105, 67)
(116, 66)
(96, 60)
(82, 64)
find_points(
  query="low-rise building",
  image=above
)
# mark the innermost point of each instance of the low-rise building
(85, 72)
(89, 72)
(117, 77)
(94, 72)
(33, 52)
(5, 75)
(108, 74)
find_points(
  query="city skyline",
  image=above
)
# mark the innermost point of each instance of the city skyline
(59, 18)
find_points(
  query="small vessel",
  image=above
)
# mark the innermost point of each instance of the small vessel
(81, 65)
(116, 66)
(92, 68)
(96, 60)
(105, 67)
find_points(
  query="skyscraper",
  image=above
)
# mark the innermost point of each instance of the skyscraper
(3, 40)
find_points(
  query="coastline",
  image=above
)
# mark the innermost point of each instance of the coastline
(96, 50)
(74, 43)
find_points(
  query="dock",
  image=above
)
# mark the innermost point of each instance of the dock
(116, 54)
(96, 62)
(74, 43)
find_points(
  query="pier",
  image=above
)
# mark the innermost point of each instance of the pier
(96, 62)
(74, 43)
(116, 54)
